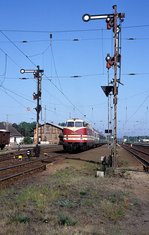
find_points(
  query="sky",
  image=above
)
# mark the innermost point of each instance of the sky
(74, 63)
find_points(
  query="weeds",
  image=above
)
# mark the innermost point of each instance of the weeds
(113, 211)
(64, 219)
(83, 193)
(67, 203)
(76, 192)
(38, 196)
(20, 218)
(122, 163)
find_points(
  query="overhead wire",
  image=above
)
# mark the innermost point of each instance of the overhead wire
(17, 101)
(52, 53)
(10, 58)
(68, 30)
(138, 108)
(6, 89)
(17, 47)
(76, 40)
(74, 106)
(5, 69)
(35, 65)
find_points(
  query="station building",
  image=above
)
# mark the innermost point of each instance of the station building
(48, 133)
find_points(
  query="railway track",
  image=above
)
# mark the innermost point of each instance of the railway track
(6, 155)
(14, 171)
(140, 153)
(12, 168)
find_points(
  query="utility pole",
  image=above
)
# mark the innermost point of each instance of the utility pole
(111, 20)
(36, 96)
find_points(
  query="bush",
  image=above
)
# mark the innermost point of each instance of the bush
(28, 140)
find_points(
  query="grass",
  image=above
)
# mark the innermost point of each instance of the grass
(20, 218)
(37, 196)
(64, 219)
(72, 198)
(112, 211)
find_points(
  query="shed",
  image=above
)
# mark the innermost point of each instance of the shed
(48, 133)
(15, 136)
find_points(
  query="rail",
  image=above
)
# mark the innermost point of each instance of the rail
(14, 170)
(139, 154)
(23, 173)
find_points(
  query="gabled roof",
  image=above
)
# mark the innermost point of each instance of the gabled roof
(52, 124)
(10, 128)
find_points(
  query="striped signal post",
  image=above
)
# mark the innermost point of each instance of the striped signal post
(111, 20)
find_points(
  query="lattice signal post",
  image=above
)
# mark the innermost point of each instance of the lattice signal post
(36, 96)
(111, 20)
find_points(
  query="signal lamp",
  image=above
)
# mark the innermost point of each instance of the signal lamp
(110, 61)
(108, 57)
(110, 22)
(22, 71)
(86, 17)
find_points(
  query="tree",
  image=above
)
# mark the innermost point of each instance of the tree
(62, 124)
(28, 140)
(26, 129)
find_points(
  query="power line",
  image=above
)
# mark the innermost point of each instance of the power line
(54, 61)
(5, 69)
(68, 30)
(49, 31)
(6, 89)
(17, 48)
(10, 58)
(75, 40)
(138, 108)
(74, 106)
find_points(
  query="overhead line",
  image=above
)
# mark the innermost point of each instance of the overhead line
(67, 30)
(17, 47)
(49, 31)
(10, 58)
(65, 97)
(5, 91)
(81, 76)
(54, 60)
(140, 106)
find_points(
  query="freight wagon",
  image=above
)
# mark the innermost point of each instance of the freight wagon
(4, 138)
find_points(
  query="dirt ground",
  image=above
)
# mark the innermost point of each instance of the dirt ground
(93, 219)
(137, 180)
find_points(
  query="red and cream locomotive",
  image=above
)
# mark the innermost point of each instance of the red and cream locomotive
(79, 135)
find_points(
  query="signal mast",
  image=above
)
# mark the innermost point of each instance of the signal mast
(112, 61)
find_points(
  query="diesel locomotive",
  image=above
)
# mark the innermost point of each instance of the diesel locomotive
(79, 135)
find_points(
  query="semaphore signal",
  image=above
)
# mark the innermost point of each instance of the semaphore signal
(114, 61)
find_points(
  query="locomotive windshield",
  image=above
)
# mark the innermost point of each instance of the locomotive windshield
(70, 124)
(74, 124)
(78, 124)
